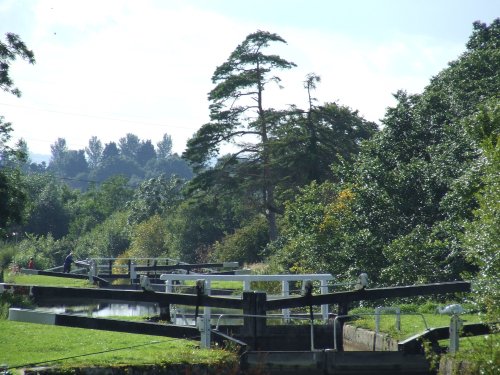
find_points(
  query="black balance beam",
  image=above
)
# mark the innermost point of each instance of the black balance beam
(46, 295)
(369, 295)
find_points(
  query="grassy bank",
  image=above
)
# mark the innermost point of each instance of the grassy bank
(410, 324)
(481, 353)
(28, 345)
(46, 281)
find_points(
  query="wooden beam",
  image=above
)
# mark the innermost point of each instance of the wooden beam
(51, 294)
(370, 294)
(66, 320)
(46, 295)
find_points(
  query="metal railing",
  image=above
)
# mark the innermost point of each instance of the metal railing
(248, 279)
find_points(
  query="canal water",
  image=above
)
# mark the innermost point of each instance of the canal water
(105, 310)
(184, 315)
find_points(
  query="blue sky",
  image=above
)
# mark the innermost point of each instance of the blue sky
(107, 68)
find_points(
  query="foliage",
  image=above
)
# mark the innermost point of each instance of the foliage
(482, 236)
(277, 151)
(150, 239)
(110, 151)
(155, 196)
(238, 115)
(164, 147)
(47, 211)
(47, 252)
(12, 48)
(116, 165)
(12, 200)
(133, 158)
(94, 152)
(425, 255)
(244, 245)
(306, 144)
(413, 184)
(482, 354)
(319, 235)
(129, 146)
(12, 197)
(96, 204)
(107, 240)
(7, 253)
(67, 163)
(197, 223)
(145, 153)
(170, 167)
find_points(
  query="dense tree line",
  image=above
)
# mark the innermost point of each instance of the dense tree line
(419, 203)
(314, 189)
(132, 158)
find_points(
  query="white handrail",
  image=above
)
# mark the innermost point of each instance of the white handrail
(323, 278)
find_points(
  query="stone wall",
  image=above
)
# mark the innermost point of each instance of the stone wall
(356, 338)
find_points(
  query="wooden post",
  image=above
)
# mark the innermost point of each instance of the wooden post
(343, 310)
(455, 324)
(324, 308)
(254, 303)
(165, 312)
(285, 292)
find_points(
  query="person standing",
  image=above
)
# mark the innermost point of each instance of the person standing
(31, 264)
(67, 262)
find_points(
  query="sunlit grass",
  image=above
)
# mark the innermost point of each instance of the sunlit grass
(28, 344)
(410, 324)
(24, 279)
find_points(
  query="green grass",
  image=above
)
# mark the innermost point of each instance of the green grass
(27, 344)
(413, 324)
(235, 286)
(46, 281)
(410, 324)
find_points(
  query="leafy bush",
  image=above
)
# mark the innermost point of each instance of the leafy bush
(46, 251)
(108, 239)
(150, 239)
(7, 253)
(245, 244)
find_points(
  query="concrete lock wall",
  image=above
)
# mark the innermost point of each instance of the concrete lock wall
(357, 338)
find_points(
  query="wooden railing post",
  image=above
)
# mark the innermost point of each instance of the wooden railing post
(254, 303)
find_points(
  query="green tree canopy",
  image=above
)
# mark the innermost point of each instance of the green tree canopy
(129, 146)
(12, 48)
(413, 183)
(94, 152)
(239, 115)
(164, 147)
(12, 196)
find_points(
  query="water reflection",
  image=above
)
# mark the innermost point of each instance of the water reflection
(102, 310)
(181, 315)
